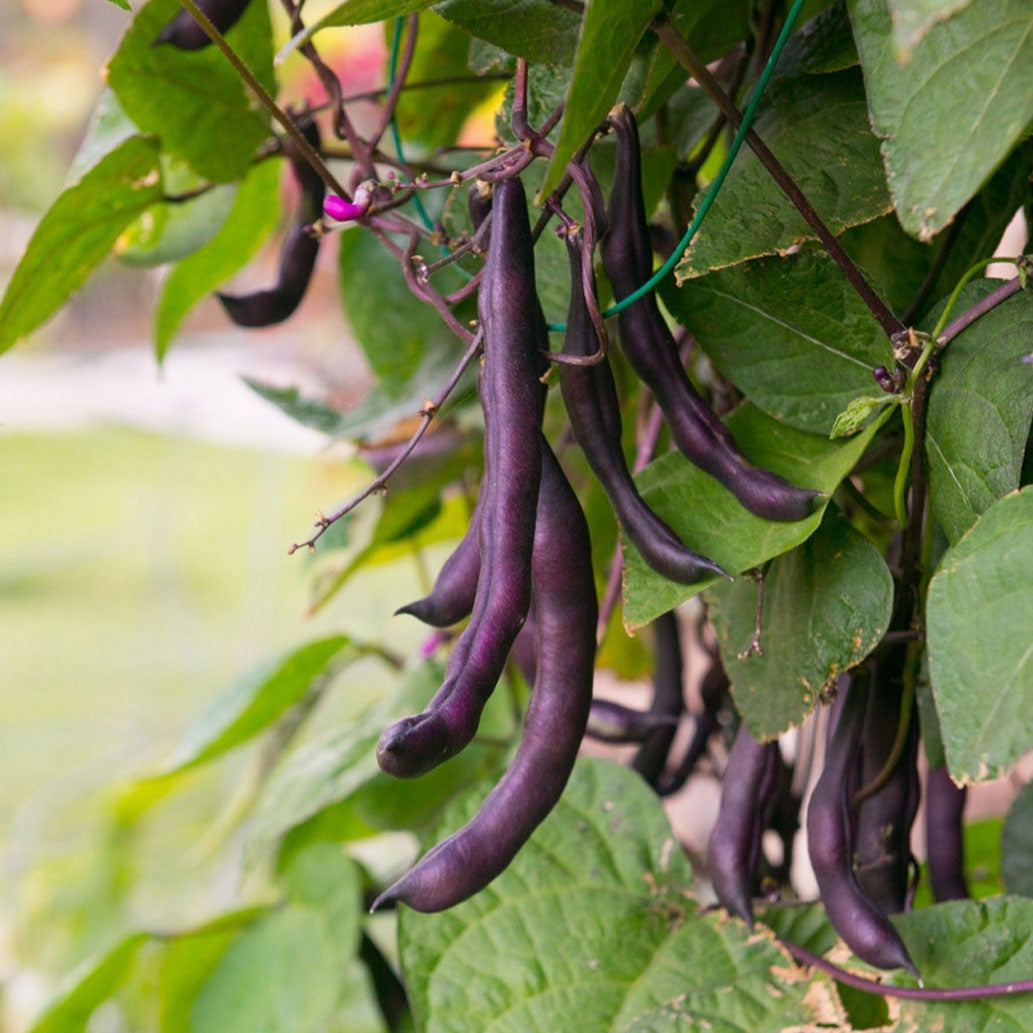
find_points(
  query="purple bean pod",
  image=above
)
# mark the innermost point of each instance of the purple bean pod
(882, 840)
(184, 33)
(455, 588)
(513, 399)
(297, 255)
(713, 690)
(668, 697)
(653, 354)
(609, 721)
(734, 849)
(944, 806)
(592, 403)
(565, 611)
(863, 927)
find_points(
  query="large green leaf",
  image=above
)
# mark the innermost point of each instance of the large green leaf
(77, 232)
(188, 961)
(282, 975)
(399, 334)
(592, 920)
(980, 410)
(970, 943)
(818, 127)
(609, 35)
(541, 31)
(826, 606)
(194, 100)
(256, 700)
(980, 647)
(912, 20)
(171, 230)
(250, 221)
(708, 518)
(791, 333)
(951, 114)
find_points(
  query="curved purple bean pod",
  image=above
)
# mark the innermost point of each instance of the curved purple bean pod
(944, 805)
(609, 721)
(513, 399)
(565, 614)
(734, 848)
(653, 354)
(183, 32)
(863, 927)
(297, 255)
(590, 396)
(668, 697)
(452, 597)
(882, 840)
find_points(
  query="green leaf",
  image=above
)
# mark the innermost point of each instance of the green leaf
(1017, 844)
(592, 919)
(171, 230)
(194, 100)
(980, 649)
(609, 34)
(541, 31)
(321, 876)
(88, 987)
(980, 411)
(400, 335)
(256, 700)
(77, 232)
(124, 4)
(791, 333)
(970, 943)
(282, 975)
(188, 961)
(709, 519)
(897, 265)
(353, 12)
(818, 127)
(827, 604)
(952, 113)
(912, 20)
(250, 221)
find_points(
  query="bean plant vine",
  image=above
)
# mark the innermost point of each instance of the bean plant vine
(767, 408)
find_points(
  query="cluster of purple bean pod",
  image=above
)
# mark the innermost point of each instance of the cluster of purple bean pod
(522, 576)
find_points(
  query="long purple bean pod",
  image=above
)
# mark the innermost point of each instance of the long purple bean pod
(297, 255)
(565, 612)
(944, 805)
(513, 399)
(734, 849)
(668, 697)
(590, 396)
(609, 721)
(455, 588)
(882, 840)
(184, 33)
(653, 354)
(863, 927)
